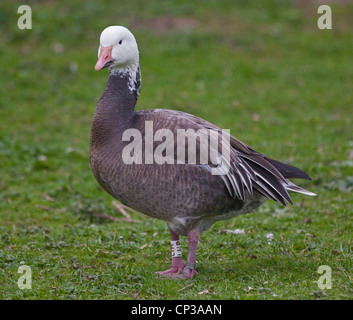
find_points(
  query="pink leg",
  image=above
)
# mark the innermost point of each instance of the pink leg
(189, 270)
(177, 262)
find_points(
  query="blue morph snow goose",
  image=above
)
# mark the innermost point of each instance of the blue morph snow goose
(185, 194)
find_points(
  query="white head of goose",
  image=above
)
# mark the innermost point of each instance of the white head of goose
(186, 193)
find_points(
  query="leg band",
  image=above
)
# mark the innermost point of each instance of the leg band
(176, 248)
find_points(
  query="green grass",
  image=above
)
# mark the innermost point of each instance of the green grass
(263, 70)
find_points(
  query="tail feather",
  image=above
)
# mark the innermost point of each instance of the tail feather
(269, 191)
(251, 170)
(272, 183)
(288, 171)
(271, 178)
(292, 187)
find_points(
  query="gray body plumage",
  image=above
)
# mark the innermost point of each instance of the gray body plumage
(186, 196)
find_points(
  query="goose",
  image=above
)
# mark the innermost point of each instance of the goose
(189, 195)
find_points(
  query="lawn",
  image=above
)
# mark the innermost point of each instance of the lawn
(262, 69)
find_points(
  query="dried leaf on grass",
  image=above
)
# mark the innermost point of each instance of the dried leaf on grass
(189, 285)
(121, 208)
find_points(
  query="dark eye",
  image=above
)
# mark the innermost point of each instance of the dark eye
(121, 41)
